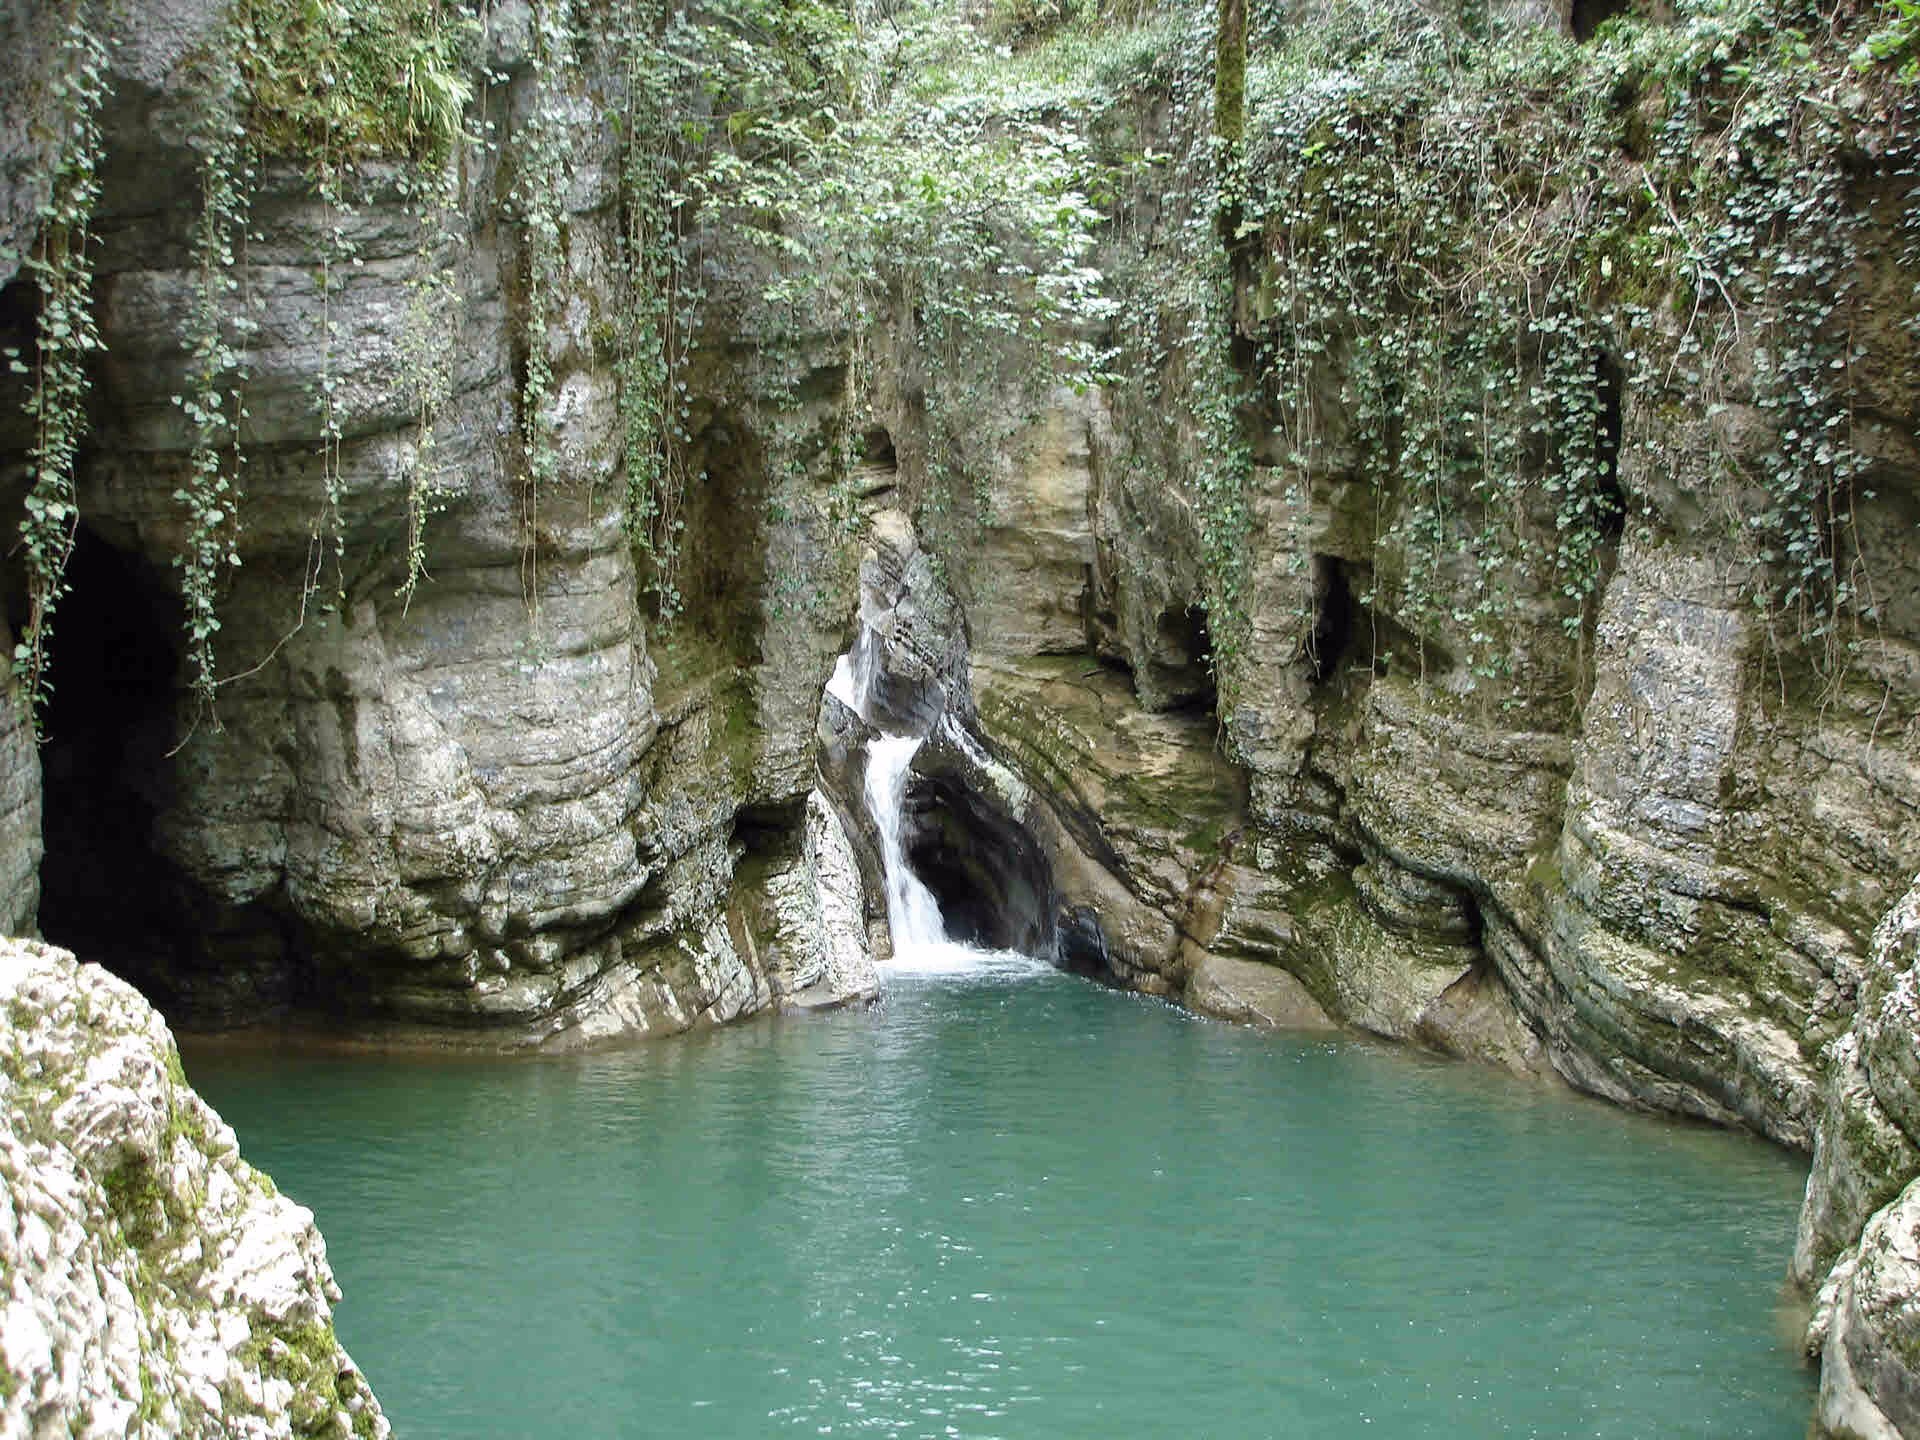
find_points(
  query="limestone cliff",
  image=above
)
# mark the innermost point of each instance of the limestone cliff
(154, 1282)
(1478, 603)
(480, 802)
(1859, 1238)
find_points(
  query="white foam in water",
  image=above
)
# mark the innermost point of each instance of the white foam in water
(949, 959)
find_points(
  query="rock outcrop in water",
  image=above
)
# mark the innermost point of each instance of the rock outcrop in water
(151, 1281)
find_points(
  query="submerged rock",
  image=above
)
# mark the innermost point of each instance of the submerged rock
(155, 1283)
(1263, 995)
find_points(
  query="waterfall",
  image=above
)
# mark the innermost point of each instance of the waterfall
(920, 943)
(912, 911)
(852, 682)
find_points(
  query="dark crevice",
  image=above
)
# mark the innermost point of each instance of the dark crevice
(1332, 635)
(104, 892)
(770, 828)
(986, 871)
(19, 314)
(1589, 15)
(876, 448)
(824, 383)
(722, 566)
(1182, 662)
(1082, 944)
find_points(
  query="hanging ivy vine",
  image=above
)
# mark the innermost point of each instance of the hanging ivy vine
(1455, 251)
(217, 331)
(539, 196)
(61, 267)
(328, 85)
(662, 295)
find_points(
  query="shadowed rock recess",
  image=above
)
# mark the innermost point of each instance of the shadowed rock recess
(1449, 572)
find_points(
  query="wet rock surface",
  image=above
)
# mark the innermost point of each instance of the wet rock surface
(494, 806)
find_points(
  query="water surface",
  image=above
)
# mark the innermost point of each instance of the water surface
(1016, 1205)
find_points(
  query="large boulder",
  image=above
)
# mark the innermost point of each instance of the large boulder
(152, 1282)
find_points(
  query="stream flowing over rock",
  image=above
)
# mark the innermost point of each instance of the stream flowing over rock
(1644, 854)
(151, 1281)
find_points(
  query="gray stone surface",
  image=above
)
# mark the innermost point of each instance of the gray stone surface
(488, 804)
(1859, 1239)
(151, 1281)
(1256, 994)
(815, 947)
(1869, 1379)
(19, 806)
(29, 37)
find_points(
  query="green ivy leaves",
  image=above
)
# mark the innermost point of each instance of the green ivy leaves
(62, 270)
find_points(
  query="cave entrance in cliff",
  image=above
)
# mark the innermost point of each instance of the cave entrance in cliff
(1182, 662)
(1589, 15)
(986, 871)
(877, 449)
(1331, 634)
(108, 726)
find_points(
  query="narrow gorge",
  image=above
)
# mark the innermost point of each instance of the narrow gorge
(540, 523)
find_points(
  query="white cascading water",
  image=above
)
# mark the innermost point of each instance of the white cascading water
(919, 933)
(920, 942)
(912, 912)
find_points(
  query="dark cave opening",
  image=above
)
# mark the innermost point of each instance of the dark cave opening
(769, 828)
(1610, 379)
(986, 871)
(1182, 661)
(1082, 945)
(104, 892)
(19, 314)
(1589, 15)
(1333, 617)
(876, 448)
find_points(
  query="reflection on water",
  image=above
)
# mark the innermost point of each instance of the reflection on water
(1006, 1203)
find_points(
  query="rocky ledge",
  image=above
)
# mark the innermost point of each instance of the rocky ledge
(155, 1283)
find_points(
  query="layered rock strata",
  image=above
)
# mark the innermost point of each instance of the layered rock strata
(1859, 1238)
(485, 805)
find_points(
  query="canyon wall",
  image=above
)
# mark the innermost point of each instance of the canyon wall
(1237, 693)
(480, 803)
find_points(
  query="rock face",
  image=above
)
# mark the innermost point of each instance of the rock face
(19, 810)
(1642, 853)
(482, 804)
(1660, 894)
(1644, 856)
(30, 35)
(151, 1281)
(1859, 1239)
